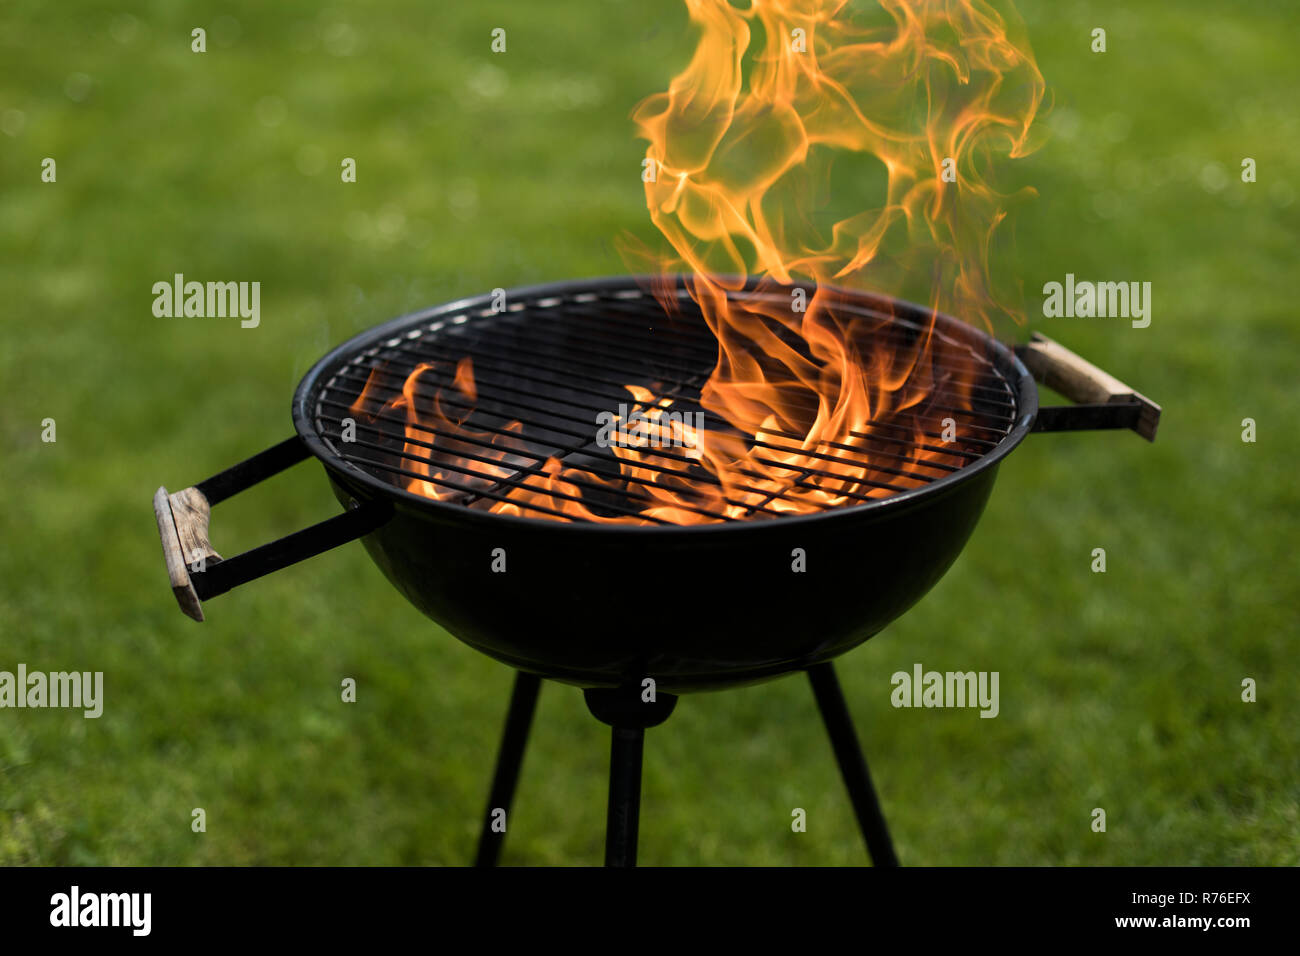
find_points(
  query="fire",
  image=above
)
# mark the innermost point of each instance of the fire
(445, 457)
(916, 98)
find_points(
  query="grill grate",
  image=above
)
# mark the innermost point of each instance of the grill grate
(546, 366)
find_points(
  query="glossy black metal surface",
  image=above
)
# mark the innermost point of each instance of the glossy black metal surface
(693, 607)
(852, 763)
(510, 758)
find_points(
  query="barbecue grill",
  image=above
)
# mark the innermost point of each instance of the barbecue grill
(512, 572)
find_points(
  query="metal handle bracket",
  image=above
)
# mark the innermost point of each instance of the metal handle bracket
(195, 569)
(1101, 400)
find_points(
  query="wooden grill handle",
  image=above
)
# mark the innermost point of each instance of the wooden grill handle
(183, 528)
(195, 570)
(1081, 382)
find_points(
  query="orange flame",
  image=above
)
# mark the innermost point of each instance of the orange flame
(927, 89)
(917, 97)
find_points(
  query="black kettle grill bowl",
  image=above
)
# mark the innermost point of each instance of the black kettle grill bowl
(693, 607)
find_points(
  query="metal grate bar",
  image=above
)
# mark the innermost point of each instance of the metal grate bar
(703, 477)
(454, 402)
(495, 496)
(537, 457)
(519, 325)
(894, 331)
(515, 412)
(546, 365)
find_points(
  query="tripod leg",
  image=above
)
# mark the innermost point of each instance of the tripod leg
(624, 796)
(853, 765)
(523, 703)
(629, 713)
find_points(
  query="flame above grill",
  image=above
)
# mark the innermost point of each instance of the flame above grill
(744, 137)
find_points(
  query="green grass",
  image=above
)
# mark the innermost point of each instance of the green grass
(1119, 691)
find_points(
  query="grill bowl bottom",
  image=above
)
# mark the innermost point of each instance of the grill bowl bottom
(695, 608)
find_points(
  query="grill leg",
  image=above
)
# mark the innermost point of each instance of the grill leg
(624, 796)
(853, 765)
(523, 704)
(629, 714)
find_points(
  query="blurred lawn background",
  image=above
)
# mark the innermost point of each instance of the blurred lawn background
(475, 170)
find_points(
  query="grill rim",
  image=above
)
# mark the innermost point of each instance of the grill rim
(1003, 359)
